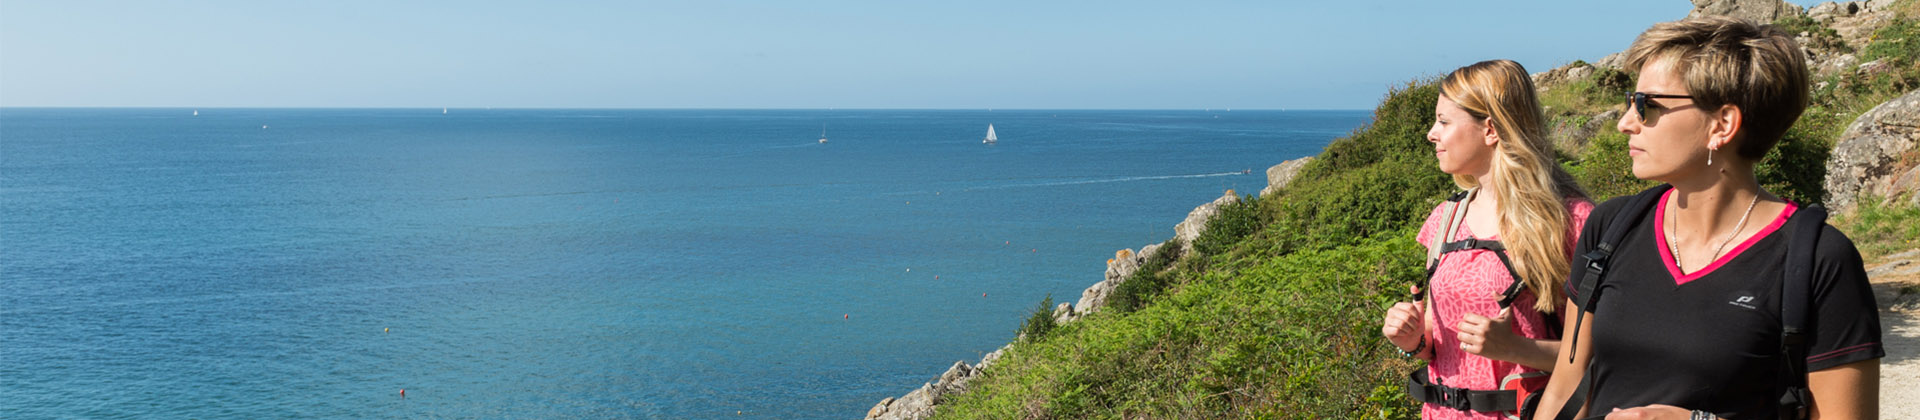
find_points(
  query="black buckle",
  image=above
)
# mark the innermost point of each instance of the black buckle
(1454, 398)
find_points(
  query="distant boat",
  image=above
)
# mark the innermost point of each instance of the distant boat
(991, 139)
(443, 111)
(823, 134)
(196, 113)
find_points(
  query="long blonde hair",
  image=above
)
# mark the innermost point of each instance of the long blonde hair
(1534, 223)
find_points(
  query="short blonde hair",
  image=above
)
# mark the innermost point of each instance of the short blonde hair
(1725, 60)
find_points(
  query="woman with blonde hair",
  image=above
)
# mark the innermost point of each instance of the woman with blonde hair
(1710, 297)
(1498, 251)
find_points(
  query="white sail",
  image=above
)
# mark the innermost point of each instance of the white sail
(990, 137)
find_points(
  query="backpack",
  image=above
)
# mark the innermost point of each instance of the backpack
(1796, 294)
(1517, 391)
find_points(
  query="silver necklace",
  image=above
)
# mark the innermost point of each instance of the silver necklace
(1674, 246)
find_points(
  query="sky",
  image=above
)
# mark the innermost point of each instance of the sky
(1117, 54)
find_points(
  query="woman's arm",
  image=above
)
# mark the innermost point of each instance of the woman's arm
(1570, 365)
(1494, 338)
(1849, 391)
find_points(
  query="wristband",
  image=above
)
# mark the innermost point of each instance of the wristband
(1416, 348)
(1704, 415)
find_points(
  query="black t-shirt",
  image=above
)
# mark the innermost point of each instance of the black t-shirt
(1710, 340)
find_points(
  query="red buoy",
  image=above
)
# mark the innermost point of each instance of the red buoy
(403, 393)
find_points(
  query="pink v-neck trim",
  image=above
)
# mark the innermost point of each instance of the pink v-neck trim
(1666, 252)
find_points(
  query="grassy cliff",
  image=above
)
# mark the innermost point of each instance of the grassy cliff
(1275, 314)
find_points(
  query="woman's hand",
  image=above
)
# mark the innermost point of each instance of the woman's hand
(1651, 412)
(1491, 338)
(1405, 325)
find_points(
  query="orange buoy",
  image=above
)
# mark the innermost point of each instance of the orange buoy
(983, 295)
(403, 393)
(844, 316)
(936, 277)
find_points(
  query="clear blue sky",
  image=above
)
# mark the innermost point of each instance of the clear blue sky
(1330, 54)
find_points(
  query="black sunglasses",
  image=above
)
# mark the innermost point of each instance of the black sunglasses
(1638, 101)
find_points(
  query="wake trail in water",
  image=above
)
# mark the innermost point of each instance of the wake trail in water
(1088, 181)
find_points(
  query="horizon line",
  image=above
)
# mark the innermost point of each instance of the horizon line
(675, 109)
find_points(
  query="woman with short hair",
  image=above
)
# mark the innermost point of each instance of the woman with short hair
(1683, 316)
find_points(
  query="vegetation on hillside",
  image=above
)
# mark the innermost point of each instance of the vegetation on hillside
(1275, 313)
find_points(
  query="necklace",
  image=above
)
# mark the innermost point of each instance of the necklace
(1673, 247)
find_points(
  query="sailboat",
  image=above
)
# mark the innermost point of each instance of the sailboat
(823, 134)
(991, 139)
(196, 113)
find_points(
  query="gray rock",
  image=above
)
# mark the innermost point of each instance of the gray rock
(1874, 67)
(879, 409)
(1827, 12)
(1280, 175)
(1063, 313)
(1867, 158)
(1561, 75)
(1612, 61)
(1123, 264)
(1855, 30)
(1834, 64)
(1196, 221)
(1760, 11)
(988, 360)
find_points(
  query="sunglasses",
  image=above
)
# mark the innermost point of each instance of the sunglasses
(1638, 101)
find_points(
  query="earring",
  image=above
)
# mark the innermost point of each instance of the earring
(1710, 156)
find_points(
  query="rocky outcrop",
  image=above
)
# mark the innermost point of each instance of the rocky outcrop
(921, 403)
(1280, 175)
(1763, 11)
(1561, 75)
(1190, 229)
(1124, 263)
(1877, 154)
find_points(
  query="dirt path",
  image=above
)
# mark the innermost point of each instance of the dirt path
(1895, 278)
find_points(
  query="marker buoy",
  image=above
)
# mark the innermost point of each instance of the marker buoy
(983, 295)
(844, 316)
(936, 277)
(403, 393)
(386, 330)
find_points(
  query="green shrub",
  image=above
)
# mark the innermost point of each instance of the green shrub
(1148, 281)
(1899, 41)
(1605, 170)
(1291, 337)
(1398, 131)
(1357, 204)
(1041, 322)
(1879, 226)
(1234, 221)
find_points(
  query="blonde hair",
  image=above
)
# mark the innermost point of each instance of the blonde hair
(1725, 60)
(1534, 223)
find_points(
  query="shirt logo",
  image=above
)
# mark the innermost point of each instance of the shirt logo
(1743, 299)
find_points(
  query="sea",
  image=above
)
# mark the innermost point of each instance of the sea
(568, 263)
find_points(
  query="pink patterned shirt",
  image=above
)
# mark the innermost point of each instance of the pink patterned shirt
(1470, 281)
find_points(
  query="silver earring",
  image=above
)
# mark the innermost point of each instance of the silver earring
(1709, 157)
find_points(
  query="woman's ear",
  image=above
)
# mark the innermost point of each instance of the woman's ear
(1724, 126)
(1493, 135)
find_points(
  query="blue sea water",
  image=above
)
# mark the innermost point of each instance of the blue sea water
(286, 263)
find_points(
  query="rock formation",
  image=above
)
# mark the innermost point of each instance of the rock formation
(1763, 11)
(1190, 229)
(1877, 155)
(1280, 175)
